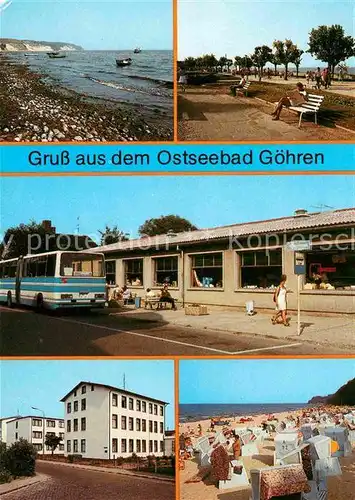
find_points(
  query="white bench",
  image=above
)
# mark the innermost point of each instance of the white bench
(312, 105)
(242, 90)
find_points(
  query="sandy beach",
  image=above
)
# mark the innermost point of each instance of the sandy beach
(339, 488)
(34, 110)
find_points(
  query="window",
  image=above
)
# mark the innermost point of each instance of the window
(138, 405)
(83, 265)
(75, 446)
(83, 446)
(329, 270)
(76, 405)
(16, 425)
(50, 423)
(130, 404)
(156, 427)
(161, 411)
(83, 424)
(161, 446)
(124, 402)
(74, 394)
(144, 425)
(37, 435)
(75, 425)
(166, 270)
(123, 423)
(138, 446)
(114, 421)
(50, 434)
(92, 388)
(155, 409)
(261, 268)
(150, 446)
(37, 446)
(36, 422)
(83, 389)
(68, 407)
(110, 266)
(161, 428)
(138, 424)
(83, 404)
(207, 270)
(124, 445)
(8, 269)
(131, 446)
(150, 408)
(114, 399)
(61, 447)
(16, 436)
(69, 446)
(40, 266)
(144, 407)
(144, 446)
(114, 445)
(69, 426)
(133, 272)
(61, 435)
(130, 424)
(155, 446)
(61, 423)
(150, 426)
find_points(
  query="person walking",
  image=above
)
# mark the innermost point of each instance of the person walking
(280, 299)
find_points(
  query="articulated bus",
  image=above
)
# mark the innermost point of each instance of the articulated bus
(54, 280)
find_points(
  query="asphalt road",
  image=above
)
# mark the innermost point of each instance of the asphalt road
(67, 483)
(26, 333)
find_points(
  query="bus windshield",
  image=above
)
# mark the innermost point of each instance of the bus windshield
(81, 264)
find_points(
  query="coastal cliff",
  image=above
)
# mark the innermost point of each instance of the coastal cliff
(344, 396)
(13, 45)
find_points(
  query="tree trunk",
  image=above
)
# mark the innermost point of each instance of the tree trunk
(297, 68)
(275, 66)
(260, 74)
(286, 71)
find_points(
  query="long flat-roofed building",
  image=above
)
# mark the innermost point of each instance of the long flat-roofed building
(34, 429)
(106, 422)
(231, 265)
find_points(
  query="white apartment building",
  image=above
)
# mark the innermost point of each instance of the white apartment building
(34, 429)
(3, 428)
(106, 422)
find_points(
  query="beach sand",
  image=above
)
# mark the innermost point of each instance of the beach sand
(33, 110)
(339, 488)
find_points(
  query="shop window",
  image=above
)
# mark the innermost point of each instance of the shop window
(333, 270)
(261, 268)
(133, 272)
(110, 266)
(166, 271)
(207, 270)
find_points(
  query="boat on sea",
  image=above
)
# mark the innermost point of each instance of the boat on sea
(30, 55)
(124, 62)
(137, 50)
(56, 55)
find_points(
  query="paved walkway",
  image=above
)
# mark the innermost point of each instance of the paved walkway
(337, 331)
(18, 484)
(208, 116)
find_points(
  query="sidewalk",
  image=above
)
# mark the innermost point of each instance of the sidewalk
(18, 484)
(112, 470)
(328, 330)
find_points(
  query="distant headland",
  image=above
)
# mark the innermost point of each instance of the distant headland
(14, 45)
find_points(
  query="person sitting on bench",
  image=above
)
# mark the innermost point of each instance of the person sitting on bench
(166, 297)
(294, 98)
(241, 84)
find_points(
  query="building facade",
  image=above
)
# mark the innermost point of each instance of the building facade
(34, 429)
(231, 265)
(3, 428)
(106, 422)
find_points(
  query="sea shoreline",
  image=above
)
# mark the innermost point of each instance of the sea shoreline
(35, 110)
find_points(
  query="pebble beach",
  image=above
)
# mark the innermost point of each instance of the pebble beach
(34, 110)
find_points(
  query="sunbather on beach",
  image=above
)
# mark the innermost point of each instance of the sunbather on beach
(294, 98)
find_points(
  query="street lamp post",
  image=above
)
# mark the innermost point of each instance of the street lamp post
(43, 425)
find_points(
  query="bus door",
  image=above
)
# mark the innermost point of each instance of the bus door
(19, 274)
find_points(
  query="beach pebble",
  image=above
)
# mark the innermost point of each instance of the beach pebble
(6, 130)
(78, 138)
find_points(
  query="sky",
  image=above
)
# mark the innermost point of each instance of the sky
(127, 202)
(261, 381)
(43, 383)
(236, 27)
(93, 24)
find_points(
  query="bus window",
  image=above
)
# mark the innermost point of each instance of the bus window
(31, 267)
(12, 269)
(76, 264)
(41, 266)
(51, 260)
(1, 270)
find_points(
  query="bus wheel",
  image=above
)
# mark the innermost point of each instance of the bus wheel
(39, 303)
(9, 302)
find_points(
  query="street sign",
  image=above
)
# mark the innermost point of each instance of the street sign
(299, 245)
(300, 263)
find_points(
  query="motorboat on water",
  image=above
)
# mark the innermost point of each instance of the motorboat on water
(124, 62)
(30, 55)
(56, 55)
(137, 50)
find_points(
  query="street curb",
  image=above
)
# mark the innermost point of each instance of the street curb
(256, 335)
(40, 478)
(109, 471)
